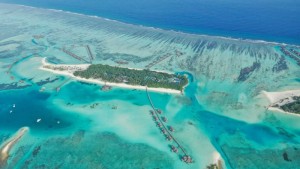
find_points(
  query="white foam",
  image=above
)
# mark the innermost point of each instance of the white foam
(258, 41)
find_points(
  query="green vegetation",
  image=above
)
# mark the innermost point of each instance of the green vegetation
(293, 107)
(133, 77)
(212, 166)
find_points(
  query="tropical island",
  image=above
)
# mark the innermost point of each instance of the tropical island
(143, 77)
(286, 101)
(122, 77)
(293, 107)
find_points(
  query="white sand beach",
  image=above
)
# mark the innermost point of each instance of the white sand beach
(6, 147)
(280, 98)
(68, 70)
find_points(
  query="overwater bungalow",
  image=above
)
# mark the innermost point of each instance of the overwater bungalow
(163, 131)
(158, 111)
(169, 138)
(152, 112)
(158, 124)
(174, 149)
(106, 88)
(164, 119)
(155, 118)
(171, 129)
(187, 159)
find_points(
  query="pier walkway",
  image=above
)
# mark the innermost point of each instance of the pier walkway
(63, 83)
(74, 55)
(156, 114)
(88, 49)
(159, 59)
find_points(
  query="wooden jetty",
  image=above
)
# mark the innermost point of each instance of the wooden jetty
(186, 158)
(88, 49)
(74, 55)
(158, 60)
(59, 86)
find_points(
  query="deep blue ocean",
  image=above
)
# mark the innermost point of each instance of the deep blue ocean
(269, 20)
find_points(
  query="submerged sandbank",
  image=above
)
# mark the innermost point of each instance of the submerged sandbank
(70, 69)
(7, 146)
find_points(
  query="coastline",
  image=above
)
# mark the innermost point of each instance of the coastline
(280, 98)
(97, 81)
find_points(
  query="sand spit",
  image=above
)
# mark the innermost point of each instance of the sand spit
(280, 98)
(68, 70)
(8, 145)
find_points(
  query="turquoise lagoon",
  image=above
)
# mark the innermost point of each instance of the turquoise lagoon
(220, 113)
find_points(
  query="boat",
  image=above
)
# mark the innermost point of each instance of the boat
(42, 89)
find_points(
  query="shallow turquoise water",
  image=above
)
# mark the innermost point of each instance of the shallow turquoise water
(217, 114)
(31, 105)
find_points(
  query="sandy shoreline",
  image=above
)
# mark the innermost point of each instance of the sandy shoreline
(7, 146)
(280, 98)
(72, 68)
